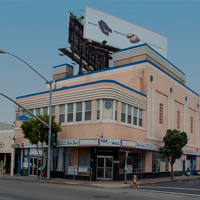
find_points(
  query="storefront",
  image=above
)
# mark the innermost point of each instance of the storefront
(6, 152)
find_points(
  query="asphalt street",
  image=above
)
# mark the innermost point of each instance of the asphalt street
(188, 189)
(28, 190)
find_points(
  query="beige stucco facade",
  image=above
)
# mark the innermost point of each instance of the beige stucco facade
(139, 84)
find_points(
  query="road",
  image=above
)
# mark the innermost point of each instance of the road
(27, 190)
(185, 189)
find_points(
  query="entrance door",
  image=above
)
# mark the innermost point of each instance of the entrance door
(33, 166)
(105, 167)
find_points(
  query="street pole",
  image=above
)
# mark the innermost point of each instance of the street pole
(50, 109)
(126, 156)
(49, 139)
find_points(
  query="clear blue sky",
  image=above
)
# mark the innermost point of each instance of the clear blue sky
(34, 30)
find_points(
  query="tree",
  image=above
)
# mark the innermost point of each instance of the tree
(37, 133)
(174, 142)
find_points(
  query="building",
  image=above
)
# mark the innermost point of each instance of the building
(6, 152)
(105, 113)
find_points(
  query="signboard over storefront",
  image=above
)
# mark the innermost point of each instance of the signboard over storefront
(68, 143)
(109, 142)
(118, 33)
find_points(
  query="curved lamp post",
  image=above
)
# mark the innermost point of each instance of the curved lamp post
(50, 98)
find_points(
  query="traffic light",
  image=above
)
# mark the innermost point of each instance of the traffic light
(54, 139)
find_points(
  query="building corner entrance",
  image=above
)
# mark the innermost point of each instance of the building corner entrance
(104, 167)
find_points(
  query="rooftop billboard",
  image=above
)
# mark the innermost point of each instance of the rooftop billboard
(100, 26)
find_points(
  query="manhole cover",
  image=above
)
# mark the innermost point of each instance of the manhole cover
(101, 196)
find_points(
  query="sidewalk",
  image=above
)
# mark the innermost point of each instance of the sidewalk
(104, 184)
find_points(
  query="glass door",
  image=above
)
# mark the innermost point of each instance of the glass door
(105, 167)
(33, 166)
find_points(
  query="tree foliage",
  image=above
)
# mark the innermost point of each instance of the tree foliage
(37, 132)
(174, 142)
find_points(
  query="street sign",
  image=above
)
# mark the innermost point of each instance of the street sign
(23, 118)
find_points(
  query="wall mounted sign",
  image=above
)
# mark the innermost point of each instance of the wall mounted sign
(129, 143)
(108, 104)
(68, 143)
(109, 142)
(143, 145)
(29, 145)
(89, 142)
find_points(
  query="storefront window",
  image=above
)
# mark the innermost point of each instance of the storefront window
(135, 158)
(158, 163)
(67, 159)
(191, 162)
(84, 157)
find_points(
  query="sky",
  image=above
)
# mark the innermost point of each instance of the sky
(35, 30)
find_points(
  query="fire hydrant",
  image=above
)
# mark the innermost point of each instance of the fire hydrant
(134, 179)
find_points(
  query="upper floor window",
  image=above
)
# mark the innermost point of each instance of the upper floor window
(88, 110)
(98, 108)
(61, 113)
(45, 110)
(123, 115)
(134, 115)
(140, 117)
(70, 112)
(116, 110)
(129, 114)
(37, 111)
(79, 111)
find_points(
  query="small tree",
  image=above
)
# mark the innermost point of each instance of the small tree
(174, 142)
(37, 133)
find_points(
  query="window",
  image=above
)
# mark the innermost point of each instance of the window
(116, 110)
(178, 119)
(68, 154)
(129, 114)
(135, 111)
(70, 112)
(88, 110)
(53, 112)
(161, 113)
(140, 117)
(79, 111)
(135, 158)
(84, 157)
(123, 114)
(98, 109)
(45, 110)
(158, 163)
(37, 111)
(61, 113)
(191, 128)
(31, 111)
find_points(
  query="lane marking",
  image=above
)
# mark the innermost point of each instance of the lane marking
(174, 188)
(164, 192)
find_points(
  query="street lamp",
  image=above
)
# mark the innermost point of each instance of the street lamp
(50, 98)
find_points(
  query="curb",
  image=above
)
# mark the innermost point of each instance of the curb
(60, 183)
(139, 184)
(42, 181)
(169, 181)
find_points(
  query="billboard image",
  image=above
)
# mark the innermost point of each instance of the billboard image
(100, 26)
